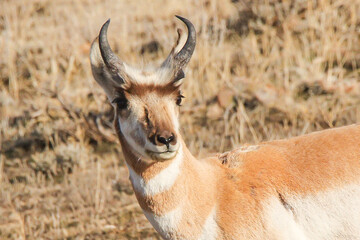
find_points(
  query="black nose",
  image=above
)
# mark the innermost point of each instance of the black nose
(165, 138)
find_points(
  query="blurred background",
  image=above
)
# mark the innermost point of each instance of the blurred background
(261, 70)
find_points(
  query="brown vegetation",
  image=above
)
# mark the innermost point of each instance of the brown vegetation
(262, 70)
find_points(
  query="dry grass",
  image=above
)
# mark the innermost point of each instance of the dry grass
(261, 70)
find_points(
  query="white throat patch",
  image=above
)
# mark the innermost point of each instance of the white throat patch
(166, 223)
(210, 227)
(162, 182)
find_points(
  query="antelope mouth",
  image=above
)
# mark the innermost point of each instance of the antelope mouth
(161, 156)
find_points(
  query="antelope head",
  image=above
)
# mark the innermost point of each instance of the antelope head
(146, 101)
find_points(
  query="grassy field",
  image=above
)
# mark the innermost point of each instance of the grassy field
(261, 70)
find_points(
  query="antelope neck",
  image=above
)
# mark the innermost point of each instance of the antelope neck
(167, 192)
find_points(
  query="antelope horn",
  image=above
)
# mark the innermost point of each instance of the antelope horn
(183, 57)
(111, 60)
(180, 59)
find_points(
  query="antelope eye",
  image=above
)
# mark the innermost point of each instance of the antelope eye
(179, 99)
(121, 103)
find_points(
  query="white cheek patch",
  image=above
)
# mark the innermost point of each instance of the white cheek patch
(166, 223)
(210, 228)
(129, 129)
(162, 182)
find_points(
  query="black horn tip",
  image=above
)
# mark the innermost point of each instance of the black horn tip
(186, 21)
(105, 27)
(179, 17)
(188, 24)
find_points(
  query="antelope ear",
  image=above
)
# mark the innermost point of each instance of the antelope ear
(108, 80)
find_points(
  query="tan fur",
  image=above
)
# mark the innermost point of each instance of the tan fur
(301, 166)
(306, 187)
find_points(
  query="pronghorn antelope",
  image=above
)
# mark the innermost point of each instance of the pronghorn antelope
(306, 187)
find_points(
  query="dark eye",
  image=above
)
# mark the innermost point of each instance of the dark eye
(121, 103)
(179, 99)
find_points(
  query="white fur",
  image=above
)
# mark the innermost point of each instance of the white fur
(166, 223)
(329, 215)
(163, 181)
(162, 148)
(156, 76)
(245, 149)
(282, 223)
(131, 126)
(210, 227)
